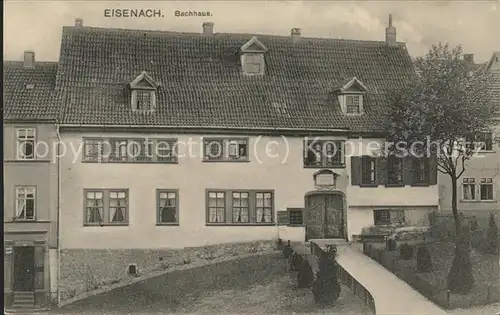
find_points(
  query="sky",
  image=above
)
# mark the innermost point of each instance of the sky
(37, 25)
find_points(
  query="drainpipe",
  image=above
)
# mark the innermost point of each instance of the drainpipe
(58, 157)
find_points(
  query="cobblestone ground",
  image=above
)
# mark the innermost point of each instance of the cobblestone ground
(275, 293)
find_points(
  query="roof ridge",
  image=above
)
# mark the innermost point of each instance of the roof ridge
(164, 32)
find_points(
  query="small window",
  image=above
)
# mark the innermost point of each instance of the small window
(106, 207)
(368, 170)
(92, 149)
(486, 189)
(225, 149)
(253, 63)
(132, 270)
(25, 203)
(118, 150)
(264, 207)
(296, 217)
(168, 207)
(388, 216)
(144, 100)
(468, 188)
(141, 150)
(394, 170)
(26, 138)
(353, 104)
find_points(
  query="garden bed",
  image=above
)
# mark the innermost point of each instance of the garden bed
(486, 273)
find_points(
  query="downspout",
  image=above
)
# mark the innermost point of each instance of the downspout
(58, 157)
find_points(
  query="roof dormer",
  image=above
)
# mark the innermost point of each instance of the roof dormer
(350, 95)
(252, 57)
(143, 96)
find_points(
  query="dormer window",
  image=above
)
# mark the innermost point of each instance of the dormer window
(353, 104)
(143, 93)
(252, 57)
(350, 95)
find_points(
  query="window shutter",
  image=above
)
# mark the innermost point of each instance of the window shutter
(433, 169)
(381, 169)
(355, 170)
(407, 170)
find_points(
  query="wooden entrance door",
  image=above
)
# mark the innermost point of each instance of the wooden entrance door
(324, 215)
(24, 268)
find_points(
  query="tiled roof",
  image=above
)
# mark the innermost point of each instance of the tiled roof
(202, 85)
(29, 92)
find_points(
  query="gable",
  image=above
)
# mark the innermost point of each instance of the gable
(253, 45)
(143, 81)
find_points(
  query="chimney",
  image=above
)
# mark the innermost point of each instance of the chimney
(295, 34)
(390, 33)
(29, 59)
(208, 28)
(469, 58)
(78, 22)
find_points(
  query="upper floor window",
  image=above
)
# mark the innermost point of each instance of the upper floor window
(368, 170)
(485, 141)
(26, 138)
(324, 153)
(486, 189)
(225, 149)
(420, 170)
(468, 188)
(25, 203)
(394, 170)
(106, 206)
(120, 150)
(144, 90)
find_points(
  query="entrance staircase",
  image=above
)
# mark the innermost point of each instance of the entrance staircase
(23, 300)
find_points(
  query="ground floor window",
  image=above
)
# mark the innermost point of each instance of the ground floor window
(388, 216)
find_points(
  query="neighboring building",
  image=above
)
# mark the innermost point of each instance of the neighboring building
(479, 186)
(30, 183)
(247, 95)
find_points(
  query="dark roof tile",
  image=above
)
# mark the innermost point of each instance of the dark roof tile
(202, 85)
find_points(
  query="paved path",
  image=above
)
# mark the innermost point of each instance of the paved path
(391, 295)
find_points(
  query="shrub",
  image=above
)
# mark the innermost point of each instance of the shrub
(424, 261)
(492, 235)
(305, 276)
(460, 279)
(406, 251)
(326, 288)
(391, 244)
(294, 261)
(287, 250)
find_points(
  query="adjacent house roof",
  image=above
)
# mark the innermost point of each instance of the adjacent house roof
(200, 81)
(29, 92)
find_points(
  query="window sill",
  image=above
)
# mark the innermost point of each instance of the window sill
(394, 185)
(420, 185)
(295, 225)
(131, 162)
(240, 224)
(486, 151)
(324, 166)
(27, 221)
(28, 161)
(478, 201)
(167, 224)
(104, 224)
(368, 185)
(227, 161)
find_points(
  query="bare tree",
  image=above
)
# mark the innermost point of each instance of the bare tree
(446, 112)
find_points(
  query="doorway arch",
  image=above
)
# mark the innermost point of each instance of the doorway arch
(325, 215)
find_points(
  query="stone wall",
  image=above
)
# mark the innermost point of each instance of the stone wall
(85, 270)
